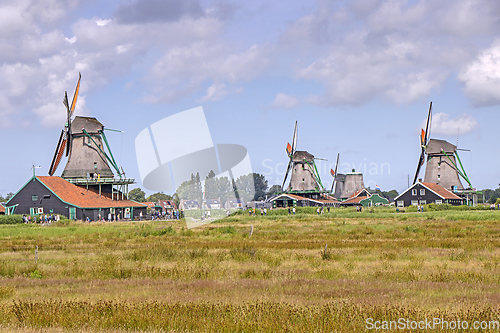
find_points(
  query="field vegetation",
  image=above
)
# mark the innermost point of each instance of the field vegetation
(302, 273)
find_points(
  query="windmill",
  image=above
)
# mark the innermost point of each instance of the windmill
(83, 141)
(64, 143)
(442, 157)
(305, 176)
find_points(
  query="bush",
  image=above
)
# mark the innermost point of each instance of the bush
(11, 219)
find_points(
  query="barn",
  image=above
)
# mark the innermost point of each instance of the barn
(55, 195)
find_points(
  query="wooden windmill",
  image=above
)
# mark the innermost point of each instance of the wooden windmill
(304, 175)
(83, 141)
(442, 167)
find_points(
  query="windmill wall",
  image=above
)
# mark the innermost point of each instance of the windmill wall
(439, 170)
(302, 178)
(85, 158)
(353, 182)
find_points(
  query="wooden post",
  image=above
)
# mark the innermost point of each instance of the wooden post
(251, 231)
(36, 254)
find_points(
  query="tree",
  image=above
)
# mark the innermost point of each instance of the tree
(190, 189)
(158, 196)
(274, 189)
(217, 188)
(137, 195)
(251, 183)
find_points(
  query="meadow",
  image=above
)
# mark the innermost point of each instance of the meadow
(305, 273)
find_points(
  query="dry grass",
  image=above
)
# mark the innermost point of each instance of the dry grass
(160, 276)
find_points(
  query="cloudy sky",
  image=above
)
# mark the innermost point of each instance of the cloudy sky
(358, 77)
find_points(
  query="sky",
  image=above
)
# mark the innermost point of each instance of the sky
(357, 76)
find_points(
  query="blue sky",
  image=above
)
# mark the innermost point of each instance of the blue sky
(358, 77)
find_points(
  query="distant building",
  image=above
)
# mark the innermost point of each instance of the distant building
(55, 195)
(213, 204)
(364, 198)
(189, 204)
(167, 205)
(2, 209)
(294, 200)
(422, 193)
(233, 203)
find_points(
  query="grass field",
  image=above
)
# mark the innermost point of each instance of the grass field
(305, 273)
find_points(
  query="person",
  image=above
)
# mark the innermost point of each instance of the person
(289, 211)
(328, 209)
(261, 212)
(322, 209)
(317, 210)
(254, 211)
(422, 209)
(293, 210)
(265, 211)
(208, 214)
(250, 212)
(418, 208)
(109, 217)
(140, 216)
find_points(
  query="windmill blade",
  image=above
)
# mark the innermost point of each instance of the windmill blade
(420, 163)
(335, 173)
(288, 149)
(61, 144)
(68, 141)
(427, 127)
(75, 96)
(294, 140)
(286, 174)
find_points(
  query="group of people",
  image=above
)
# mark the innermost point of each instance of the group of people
(44, 219)
(251, 211)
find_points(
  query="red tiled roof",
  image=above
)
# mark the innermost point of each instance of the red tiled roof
(79, 196)
(441, 191)
(358, 192)
(2, 209)
(354, 200)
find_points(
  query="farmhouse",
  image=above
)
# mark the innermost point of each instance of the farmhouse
(425, 193)
(55, 195)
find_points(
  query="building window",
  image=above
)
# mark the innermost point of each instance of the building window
(34, 197)
(40, 210)
(423, 202)
(422, 192)
(46, 196)
(413, 192)
(439, 177)
(414, 202)
(401, 203)
(439, 202)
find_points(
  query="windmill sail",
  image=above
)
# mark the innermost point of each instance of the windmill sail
(61, 144)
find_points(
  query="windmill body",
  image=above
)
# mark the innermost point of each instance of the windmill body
(302, 177)
(86, 155)
(349, 184)
(441, 162)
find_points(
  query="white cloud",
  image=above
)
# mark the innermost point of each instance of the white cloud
(215, 92)
(442, 124)
(481, 77)
(102, 23)
(183, 70)
(283, 101)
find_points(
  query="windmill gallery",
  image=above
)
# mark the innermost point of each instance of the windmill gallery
(92, 186)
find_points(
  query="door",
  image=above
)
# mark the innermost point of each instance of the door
(72, 213)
